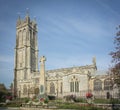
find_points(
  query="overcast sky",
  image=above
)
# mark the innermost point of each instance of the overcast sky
(70, 32)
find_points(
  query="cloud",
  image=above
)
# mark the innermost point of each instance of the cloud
(72, 28)
(74, 41)
(75, 34)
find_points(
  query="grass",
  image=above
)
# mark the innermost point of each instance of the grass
(107, 101)
(68, 105)
(11, 104)
(78, 106)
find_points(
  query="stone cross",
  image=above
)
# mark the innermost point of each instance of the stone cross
(42, 77)
(42, 59)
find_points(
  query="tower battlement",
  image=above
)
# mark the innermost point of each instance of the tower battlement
(26, 21)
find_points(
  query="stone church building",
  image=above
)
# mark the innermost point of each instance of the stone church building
(30, 82)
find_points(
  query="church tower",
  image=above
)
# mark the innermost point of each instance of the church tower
(26, 50)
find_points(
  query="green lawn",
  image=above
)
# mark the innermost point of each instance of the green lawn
(78, 106)
(107, 101)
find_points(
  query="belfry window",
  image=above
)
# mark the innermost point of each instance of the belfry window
(97, 85)
(74, 84)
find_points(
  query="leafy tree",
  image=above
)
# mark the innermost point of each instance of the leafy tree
(115, 70)
(2, 88)
(116, 58)
(3, 92)
(11, 89)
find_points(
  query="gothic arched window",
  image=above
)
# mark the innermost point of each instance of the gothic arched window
(52, 88)
(108, 84)
(97, 85)
(25, 90)
(74, 84)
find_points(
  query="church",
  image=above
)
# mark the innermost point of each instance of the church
(31, 82)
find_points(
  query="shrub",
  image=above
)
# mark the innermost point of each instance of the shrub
(12, 104)
(70, 97)
(41, 99)
(89, 95)
(26, 100)
(9, 97)
(46, 100)
(36, 100)
(51, 97)
(80, 100)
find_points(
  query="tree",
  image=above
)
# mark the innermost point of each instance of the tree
(116, 58)
(115, 70)
(3, 92)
